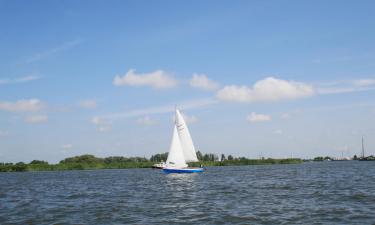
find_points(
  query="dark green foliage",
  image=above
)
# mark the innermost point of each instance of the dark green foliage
(222, 157)
(82, 159)
(159, 157)
(320, 158)
(207, 157)
(199, 156)
(245, 161)
(39, 162)
(10, 167)
(210, 157)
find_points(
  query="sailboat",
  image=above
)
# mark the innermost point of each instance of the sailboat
(182, 149)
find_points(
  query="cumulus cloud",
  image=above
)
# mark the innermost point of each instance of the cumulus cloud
(158, 79)
(254, 117)
(19, 80)
(102, 125)
(88, 104)
(23, 105)
(36, 119)
(201, 81)
(146, 120)
(268, 89)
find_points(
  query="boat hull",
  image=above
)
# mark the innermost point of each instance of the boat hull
(157, 167)
(183, 170)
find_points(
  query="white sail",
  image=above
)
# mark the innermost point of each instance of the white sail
(176, 156)
(186, 142)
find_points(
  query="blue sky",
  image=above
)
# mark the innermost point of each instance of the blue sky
(253, 78)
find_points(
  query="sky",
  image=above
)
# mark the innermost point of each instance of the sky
(252, 78)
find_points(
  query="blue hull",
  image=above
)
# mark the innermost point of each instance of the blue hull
(187, 170)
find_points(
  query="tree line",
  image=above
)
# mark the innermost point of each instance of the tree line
(119, 162)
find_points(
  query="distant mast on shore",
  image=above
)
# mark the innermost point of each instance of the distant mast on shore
(363, 149)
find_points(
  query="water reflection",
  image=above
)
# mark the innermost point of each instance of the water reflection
(183, 192)
(177, 182)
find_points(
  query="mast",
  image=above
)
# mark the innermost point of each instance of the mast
(363, 149)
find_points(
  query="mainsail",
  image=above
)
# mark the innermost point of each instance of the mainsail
(186, 142)
(176, 155)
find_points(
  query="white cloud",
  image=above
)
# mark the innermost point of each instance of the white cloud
(201, 81)
(36, 119)
(254, 117)
(104, 128)
(285, 116)
(146, 121)
(278, 131)
(268, 89)
(316, 61)
(158, 79)
(188, 119)
(102, 125)
(364, 82)
(26, 79)
(336, 90)
(23, 105)
(19, 80)
(67, 146)
(99, 121)
(197, 103)
(3, 133)
(346, 86)
(88, 104)
(63, 47)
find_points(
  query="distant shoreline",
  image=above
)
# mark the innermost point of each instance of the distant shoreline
(90, 162)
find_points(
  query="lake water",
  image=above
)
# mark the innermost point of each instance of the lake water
(309, 193)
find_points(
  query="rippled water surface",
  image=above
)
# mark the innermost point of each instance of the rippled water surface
(309, 193)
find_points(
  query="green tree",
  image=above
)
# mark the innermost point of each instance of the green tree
(199, 156)
(39, 162)
(159, 157)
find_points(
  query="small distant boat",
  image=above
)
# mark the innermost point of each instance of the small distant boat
(363, 156)
(181, 150)
(160, 165)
